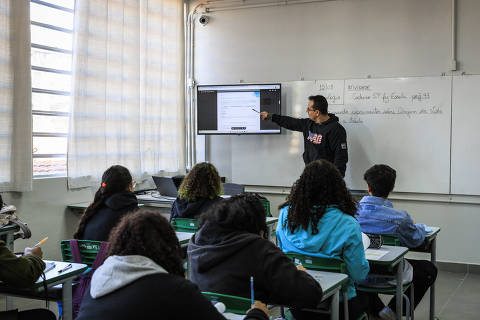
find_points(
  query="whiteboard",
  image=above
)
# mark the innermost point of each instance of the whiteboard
(465, 135)
(403, 122)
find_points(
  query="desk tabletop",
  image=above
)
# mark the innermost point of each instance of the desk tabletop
(84, 205)
(271, 220)
(79, 206)
(9, 228)
(183, 237)
(52, 278)
(329, 281)
(433, 234)
(386, 255)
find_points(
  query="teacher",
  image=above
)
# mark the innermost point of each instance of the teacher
(324, 137)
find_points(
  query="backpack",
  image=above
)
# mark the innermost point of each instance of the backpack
(85, 279)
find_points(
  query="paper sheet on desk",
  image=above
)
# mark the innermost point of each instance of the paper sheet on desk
(375, 254)
(232, 316)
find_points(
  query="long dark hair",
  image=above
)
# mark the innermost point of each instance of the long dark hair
(148, 234)
(202, 182)
(242, 212)
(319, 186)
(116, 179)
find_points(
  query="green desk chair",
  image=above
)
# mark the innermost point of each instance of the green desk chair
(233, 304)
(391, 290)
(185, 224)
(266, 205)
(88, 251)
(325, 264)
(390, 240)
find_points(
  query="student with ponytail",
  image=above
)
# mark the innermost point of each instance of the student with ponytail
(113, 200)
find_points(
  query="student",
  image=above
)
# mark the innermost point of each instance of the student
(231, 246)
(200, 189)
(143, 277)
(113, 200)
(377, 215)
(318, 220)
(22, 272)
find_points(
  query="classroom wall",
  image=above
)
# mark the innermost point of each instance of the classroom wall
(347, 39)
(44, 210)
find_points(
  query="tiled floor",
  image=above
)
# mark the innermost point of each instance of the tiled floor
(458, 298)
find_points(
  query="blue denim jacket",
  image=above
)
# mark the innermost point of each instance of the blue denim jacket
(377, 215)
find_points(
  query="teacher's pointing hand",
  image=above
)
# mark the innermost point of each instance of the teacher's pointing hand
(264, 115)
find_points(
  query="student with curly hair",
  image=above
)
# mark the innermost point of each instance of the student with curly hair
(143, 277)
(113, 200)
(200, 189)
(318, 220)
(231, 246)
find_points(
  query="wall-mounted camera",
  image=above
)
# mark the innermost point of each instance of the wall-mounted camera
(203, 20)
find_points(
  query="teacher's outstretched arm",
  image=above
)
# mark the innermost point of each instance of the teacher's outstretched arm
(286, 122)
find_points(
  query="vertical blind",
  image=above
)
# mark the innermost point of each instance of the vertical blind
(15, 97)
(127, 90)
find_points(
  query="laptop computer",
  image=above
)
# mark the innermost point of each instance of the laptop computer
(165, 186)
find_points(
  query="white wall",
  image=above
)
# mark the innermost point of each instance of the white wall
(348, 39)
(44, 210)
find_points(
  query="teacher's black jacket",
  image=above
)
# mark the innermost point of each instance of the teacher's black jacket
(326, 140)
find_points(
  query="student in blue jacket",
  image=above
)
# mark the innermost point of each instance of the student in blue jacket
(377, 215)
(318, 220)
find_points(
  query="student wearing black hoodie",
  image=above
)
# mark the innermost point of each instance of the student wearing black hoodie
(113, 200)
(143, 277)
(231, 246)
(200, 189)
(325, 138)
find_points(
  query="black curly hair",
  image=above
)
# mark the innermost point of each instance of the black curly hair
(202, 182)
(319, 186)
(244, 212)
(114, 180)
(147, 233)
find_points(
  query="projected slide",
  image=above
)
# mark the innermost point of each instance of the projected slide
(236, 109)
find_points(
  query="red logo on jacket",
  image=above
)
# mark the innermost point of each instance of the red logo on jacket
(315, 138)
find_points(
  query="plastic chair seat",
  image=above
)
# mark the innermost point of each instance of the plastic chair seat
(185, 224)
(233, 304)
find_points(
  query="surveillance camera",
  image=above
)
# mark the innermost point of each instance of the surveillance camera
(203, 20)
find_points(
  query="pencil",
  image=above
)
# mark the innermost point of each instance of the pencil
(251, 290)
(41, 242)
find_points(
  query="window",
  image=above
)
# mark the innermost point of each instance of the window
(51, 36)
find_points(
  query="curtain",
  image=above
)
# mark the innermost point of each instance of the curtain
(15, 96)
(128, 89)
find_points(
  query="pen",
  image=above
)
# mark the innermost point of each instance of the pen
(66, 268)
(251, 290)
(41, 242)
(256, 110)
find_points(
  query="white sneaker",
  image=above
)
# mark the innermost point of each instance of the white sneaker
(7, 209)
(387, 314)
